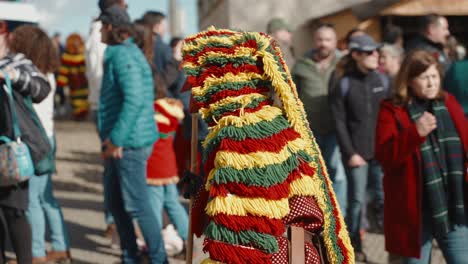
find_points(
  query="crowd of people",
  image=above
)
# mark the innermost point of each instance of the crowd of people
(389, 119)
(391, 135)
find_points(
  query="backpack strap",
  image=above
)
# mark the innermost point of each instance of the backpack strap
(344, 86)
(9, 92)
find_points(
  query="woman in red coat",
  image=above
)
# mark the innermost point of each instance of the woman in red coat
(421, 142)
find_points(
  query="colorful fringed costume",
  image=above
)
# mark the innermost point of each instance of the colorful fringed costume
(72, 73)
(263, 168)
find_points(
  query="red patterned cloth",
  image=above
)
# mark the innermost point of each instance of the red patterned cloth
(304, 212)
(282, 256)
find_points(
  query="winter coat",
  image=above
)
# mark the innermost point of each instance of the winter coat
(126, 111)
(397, 148)
(421, 42)
(456, 81)
(162, 164)
(29, 86)
(355, 112)
(312, 87)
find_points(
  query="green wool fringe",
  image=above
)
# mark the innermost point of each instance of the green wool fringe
(233, 86)
(212, 44)
(264, 242)
(260, 130)
(218, 112)
(265, 177)
(236, 61)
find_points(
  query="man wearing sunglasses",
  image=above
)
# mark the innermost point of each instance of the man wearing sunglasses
(355, 95)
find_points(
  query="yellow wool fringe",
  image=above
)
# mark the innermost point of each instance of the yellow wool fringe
(201, 42)
(244, 100)
(267, 113)
(259, 159)
(303, 187)
(295, 112)
(240, 206)
(210, 261)
(239, 52)
(73, 57)
(228, 77)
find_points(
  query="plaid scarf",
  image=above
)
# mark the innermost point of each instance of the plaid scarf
(443, 168)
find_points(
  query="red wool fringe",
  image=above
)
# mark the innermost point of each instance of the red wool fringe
(194, 59)
(274, 143)
(231, 254)
(71, 63)
(259, 224)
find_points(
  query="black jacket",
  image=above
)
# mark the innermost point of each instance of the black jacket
(421, 42)
(29, 86)
(355, 111)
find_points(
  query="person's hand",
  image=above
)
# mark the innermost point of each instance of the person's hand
(109, 150)
(356, 161)
(426, 124)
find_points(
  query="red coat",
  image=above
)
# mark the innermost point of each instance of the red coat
(397, 150)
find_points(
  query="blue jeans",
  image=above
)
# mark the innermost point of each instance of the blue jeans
(331, 154)
(128, 198)
(43, 206)
(358, 178)
(167, 196)
(454, 246)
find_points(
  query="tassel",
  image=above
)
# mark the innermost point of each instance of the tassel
(274, 192)
(261, 224)
(231, 254)
(264, 242)
(233, 205)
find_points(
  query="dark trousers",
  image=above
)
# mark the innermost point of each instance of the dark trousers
(19, 230)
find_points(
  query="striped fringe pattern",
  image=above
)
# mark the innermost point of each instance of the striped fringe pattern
(259, 152)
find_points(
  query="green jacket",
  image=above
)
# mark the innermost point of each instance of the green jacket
(126, 113)
(456, 83)
(312, 87)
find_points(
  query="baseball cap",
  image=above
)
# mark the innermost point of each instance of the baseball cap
(363, 43)
(115, 15)
(278, 24)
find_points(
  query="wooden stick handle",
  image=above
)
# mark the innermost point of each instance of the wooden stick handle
(193, 169)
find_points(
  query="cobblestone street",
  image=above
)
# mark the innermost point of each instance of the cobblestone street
(79, 189)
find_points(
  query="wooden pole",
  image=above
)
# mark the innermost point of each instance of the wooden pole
(193, 169)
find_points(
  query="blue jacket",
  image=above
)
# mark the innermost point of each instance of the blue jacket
(126, 113)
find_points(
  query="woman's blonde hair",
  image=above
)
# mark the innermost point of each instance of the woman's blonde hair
(413, 65)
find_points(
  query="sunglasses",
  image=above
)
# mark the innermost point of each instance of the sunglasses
(367, 53)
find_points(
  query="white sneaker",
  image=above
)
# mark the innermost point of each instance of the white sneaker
(173, 243)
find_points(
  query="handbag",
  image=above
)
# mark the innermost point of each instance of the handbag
(16, 164)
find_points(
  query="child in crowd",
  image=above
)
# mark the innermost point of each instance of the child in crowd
(162, 175)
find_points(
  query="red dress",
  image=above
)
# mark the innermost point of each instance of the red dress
(398, 151)
(162, 165)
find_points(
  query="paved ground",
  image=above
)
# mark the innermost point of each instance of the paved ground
(78, 187)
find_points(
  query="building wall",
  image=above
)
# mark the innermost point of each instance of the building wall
(214, 13)
(254, 15)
